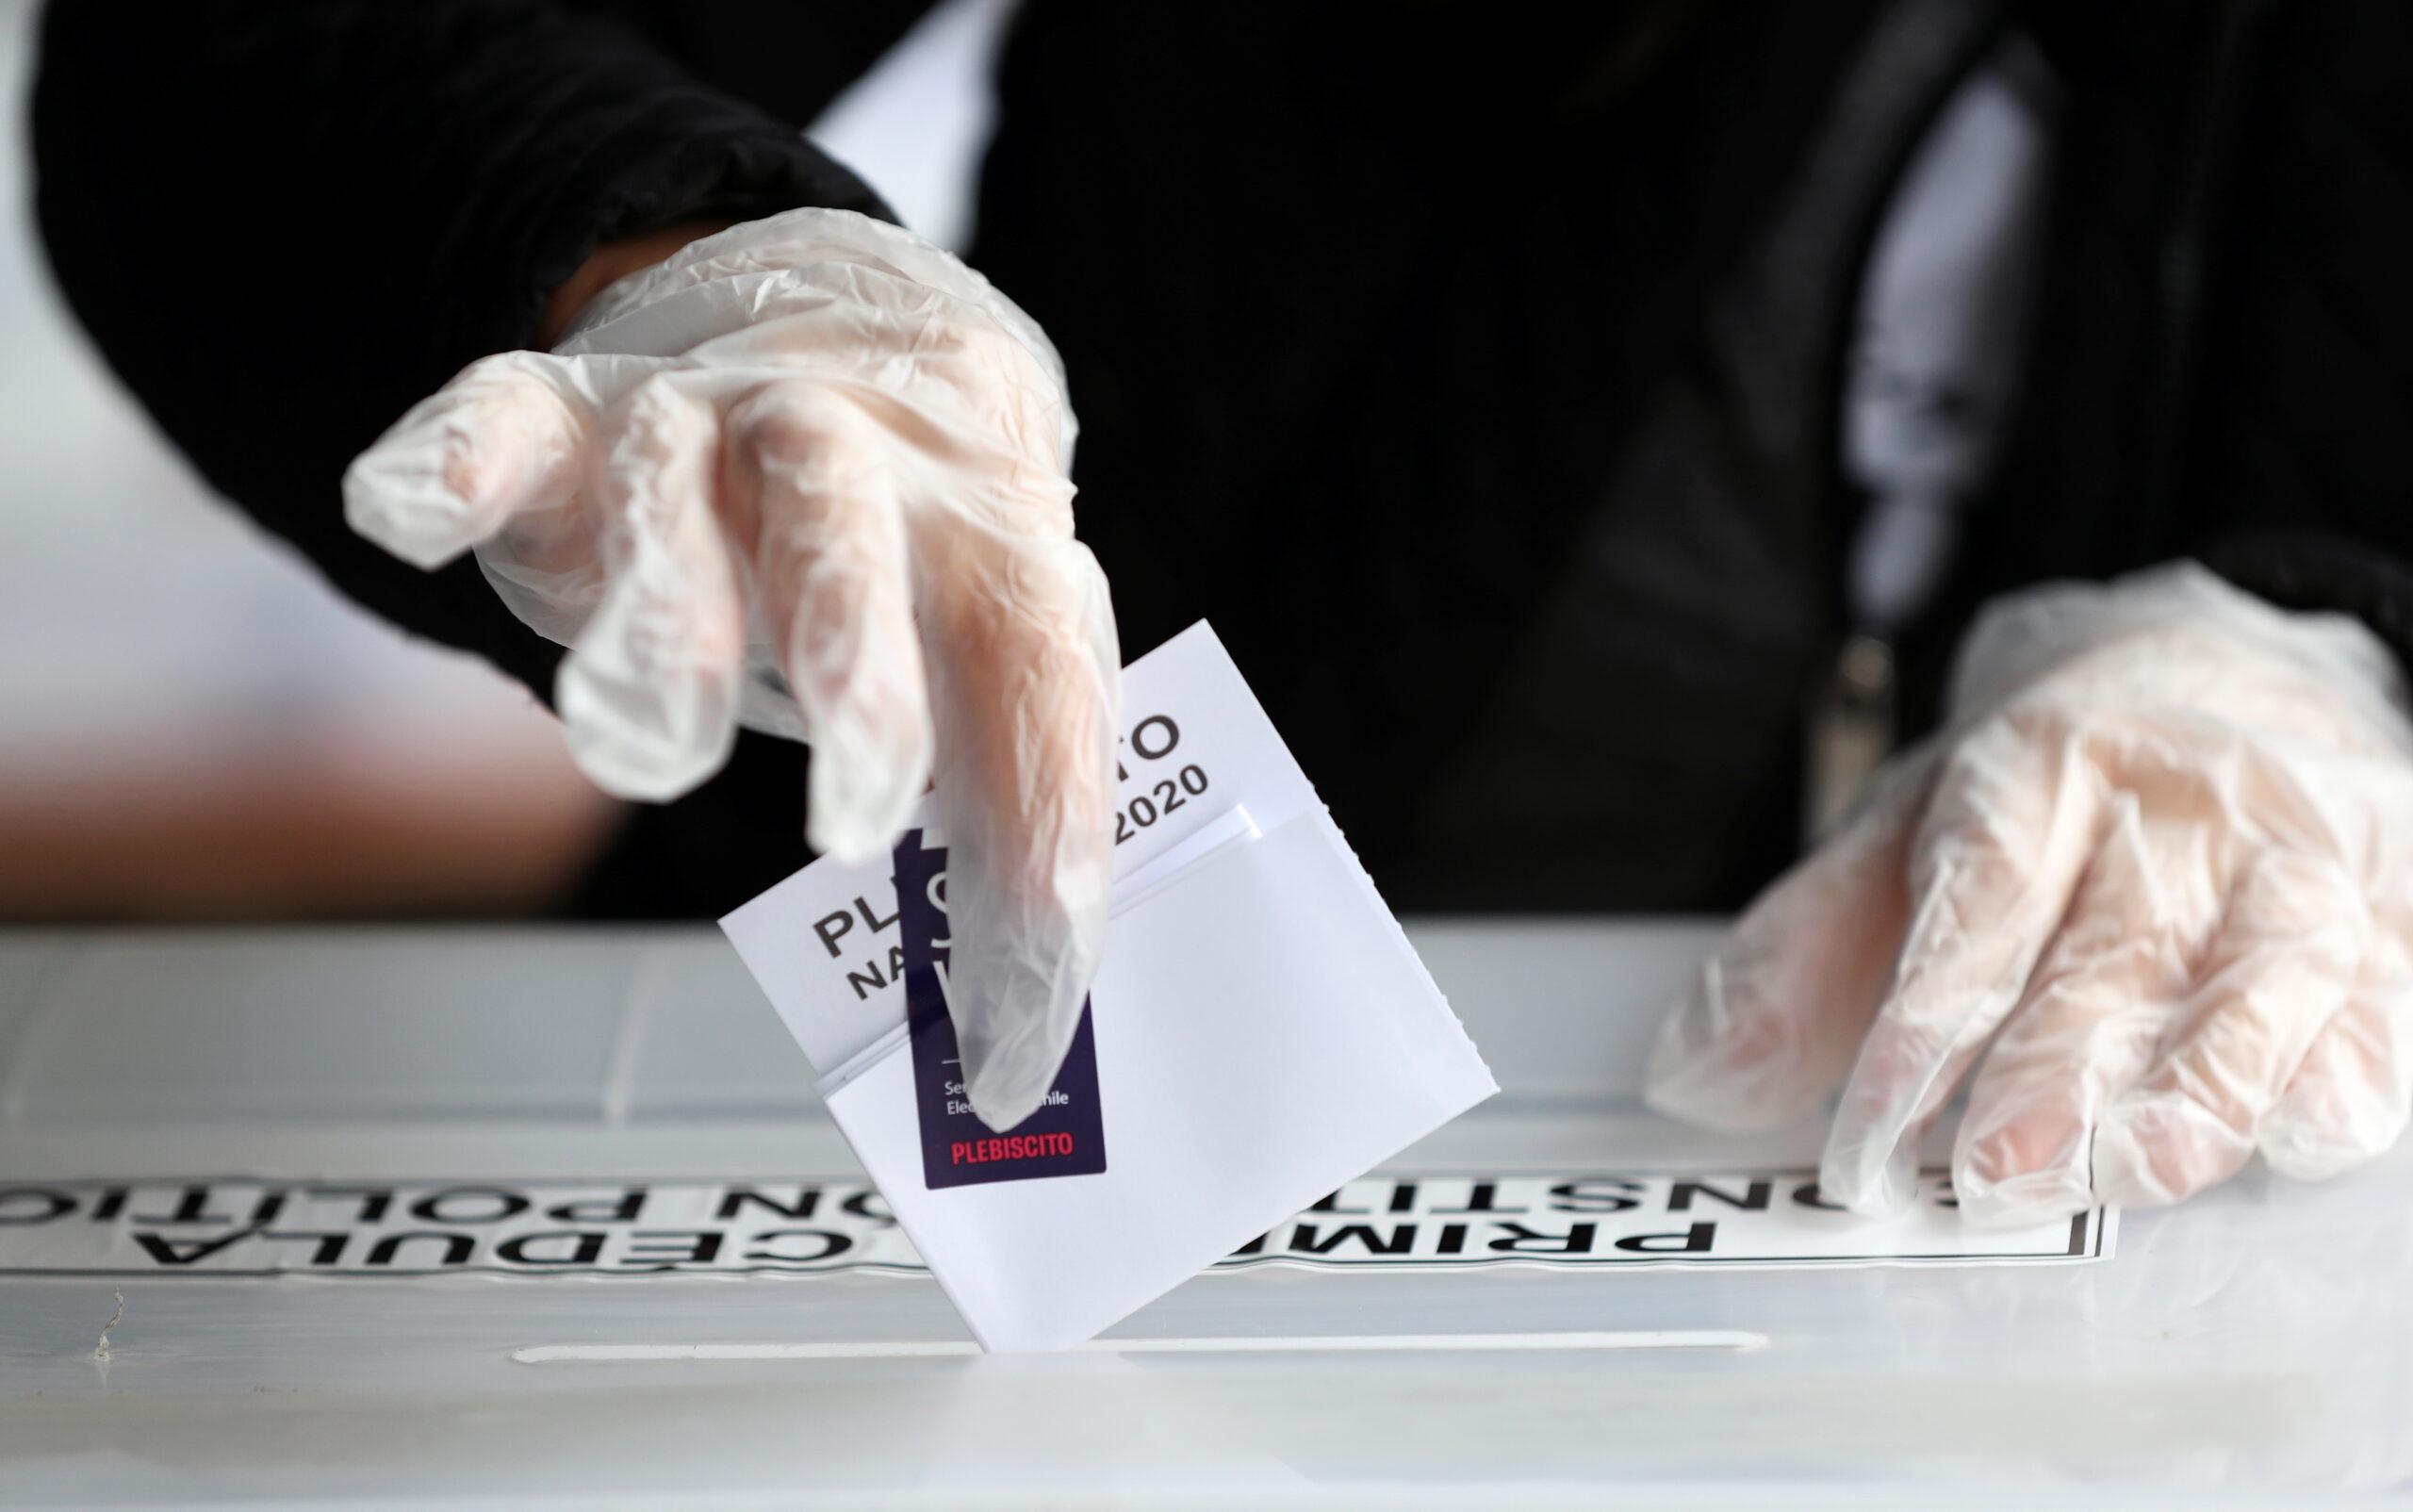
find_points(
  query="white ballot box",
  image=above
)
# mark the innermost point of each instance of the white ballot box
(426, 1217)
(1259, 1033)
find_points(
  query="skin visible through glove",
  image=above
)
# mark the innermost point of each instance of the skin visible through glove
(2155, 896)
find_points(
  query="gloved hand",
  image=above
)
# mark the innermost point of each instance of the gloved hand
(809, 475)
(2161, 858)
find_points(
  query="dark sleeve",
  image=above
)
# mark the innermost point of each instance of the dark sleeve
(286, 223)
(2302, 488)
(2224, 366)
(2311, 570)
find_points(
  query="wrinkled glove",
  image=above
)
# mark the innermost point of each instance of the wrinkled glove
(809, 475)
(2161, 859)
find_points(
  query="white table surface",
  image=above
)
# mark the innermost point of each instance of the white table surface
(2255, 1344)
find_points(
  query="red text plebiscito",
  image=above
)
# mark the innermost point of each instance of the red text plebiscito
(1009, 1147)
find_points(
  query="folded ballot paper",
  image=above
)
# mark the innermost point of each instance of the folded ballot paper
(1260, 1030)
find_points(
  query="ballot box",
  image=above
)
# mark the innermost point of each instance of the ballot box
(535, 1218)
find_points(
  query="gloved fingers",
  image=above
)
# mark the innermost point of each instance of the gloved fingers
(499, 449)
(650, 692)
(809, 483)
(1018, 636)
(1770, 1022)
(2013, 822)
(2107, 989)
(2349, 1101)
(502, 437)
(2278, 968)
(968, 367)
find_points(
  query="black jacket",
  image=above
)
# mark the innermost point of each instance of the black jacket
(1475, 367)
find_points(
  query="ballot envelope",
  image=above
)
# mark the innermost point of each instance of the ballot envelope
(1260, 1030)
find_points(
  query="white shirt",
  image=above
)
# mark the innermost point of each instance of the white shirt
(1942, 309)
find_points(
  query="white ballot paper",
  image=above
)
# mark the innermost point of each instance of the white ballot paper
(1259, 1033)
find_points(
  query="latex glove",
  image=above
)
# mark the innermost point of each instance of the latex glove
(2161, 858)
(809, 475)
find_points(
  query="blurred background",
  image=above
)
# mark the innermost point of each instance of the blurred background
(193, 724)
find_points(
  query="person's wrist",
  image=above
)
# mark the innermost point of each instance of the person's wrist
(610, 263)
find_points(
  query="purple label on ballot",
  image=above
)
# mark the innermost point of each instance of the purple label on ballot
(1064, 1138)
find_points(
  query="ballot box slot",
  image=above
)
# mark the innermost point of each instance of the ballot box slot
(1234, 827)
(1737, 1340)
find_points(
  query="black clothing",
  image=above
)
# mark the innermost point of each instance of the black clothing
(1475, 369)
(285, 224)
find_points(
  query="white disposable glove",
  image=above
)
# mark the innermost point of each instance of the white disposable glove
(2161, 858)
(809, 475)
